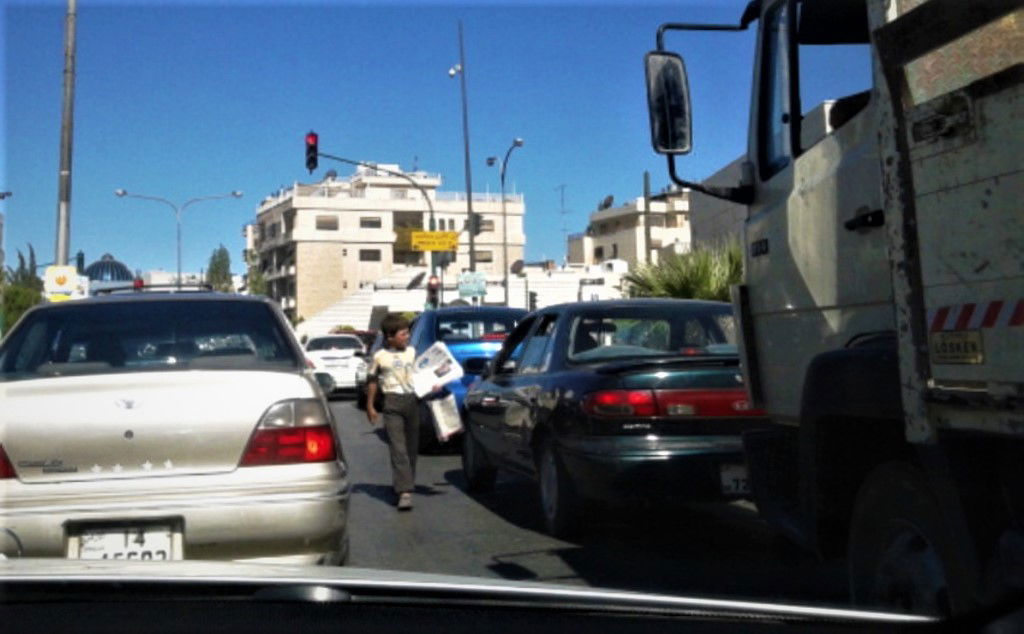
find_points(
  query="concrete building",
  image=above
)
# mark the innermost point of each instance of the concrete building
(320, 242)
(619, 233)
(715, 220)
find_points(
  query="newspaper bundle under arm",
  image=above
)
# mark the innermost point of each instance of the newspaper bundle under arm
(447, 421)
(436, 366)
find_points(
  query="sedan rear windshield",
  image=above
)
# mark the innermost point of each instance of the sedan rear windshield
(146, 335)
(627, 333)
(334, 343)
(474, 327)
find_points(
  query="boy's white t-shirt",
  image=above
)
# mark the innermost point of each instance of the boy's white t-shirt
(393, 370)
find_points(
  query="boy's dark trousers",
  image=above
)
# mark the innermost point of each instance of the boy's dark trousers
(402, 423)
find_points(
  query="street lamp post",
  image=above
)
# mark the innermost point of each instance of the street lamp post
(460, 70)
(178, 210)
(517, 142)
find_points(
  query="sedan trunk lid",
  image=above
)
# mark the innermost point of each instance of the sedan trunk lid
(142, 424)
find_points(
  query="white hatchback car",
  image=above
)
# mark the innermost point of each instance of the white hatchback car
(341, 356)
(166, 426)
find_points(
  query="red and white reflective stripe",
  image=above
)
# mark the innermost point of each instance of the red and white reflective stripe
(993, 314)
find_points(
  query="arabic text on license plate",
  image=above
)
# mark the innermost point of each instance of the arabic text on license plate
(128, 542)
(734, 479)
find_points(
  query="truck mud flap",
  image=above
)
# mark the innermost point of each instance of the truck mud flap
(773, 466)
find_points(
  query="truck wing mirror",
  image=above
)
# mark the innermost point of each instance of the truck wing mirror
(668, 102)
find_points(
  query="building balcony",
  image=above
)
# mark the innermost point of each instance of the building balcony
(478, 197)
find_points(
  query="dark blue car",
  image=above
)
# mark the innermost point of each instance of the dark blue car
(473, 334)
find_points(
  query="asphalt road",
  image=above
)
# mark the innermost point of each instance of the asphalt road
(721, 550)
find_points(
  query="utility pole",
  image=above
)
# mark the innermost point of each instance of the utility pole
(66, 128)
(460, 70)
(565, 230)
(647, 217)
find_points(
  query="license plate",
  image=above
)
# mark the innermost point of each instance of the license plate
(143, 543)
(734, 479)
(343, 364)
(957, 347)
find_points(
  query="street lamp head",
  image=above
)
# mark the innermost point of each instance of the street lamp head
(455, 70)
(120, 193)
(491, 160)
(518, 142)
(236, 194)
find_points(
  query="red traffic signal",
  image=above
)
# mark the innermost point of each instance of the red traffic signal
(312, 150)
(433, 292)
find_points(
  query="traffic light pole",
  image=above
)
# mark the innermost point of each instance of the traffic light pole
(430, 205)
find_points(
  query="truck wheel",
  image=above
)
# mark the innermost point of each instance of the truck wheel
(559, 503)
(902, 553)
(476, 466)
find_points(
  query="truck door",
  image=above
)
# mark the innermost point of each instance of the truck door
(816, 261)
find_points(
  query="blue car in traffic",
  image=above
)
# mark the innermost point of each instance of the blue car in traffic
(473, 334)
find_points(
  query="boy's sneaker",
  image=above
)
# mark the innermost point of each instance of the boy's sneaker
(405, 502)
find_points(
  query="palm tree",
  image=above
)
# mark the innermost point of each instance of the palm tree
(704, 273)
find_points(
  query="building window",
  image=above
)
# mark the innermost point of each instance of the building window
(370, 222)
(598, 253)
(272, 233)
(486, 225)
(327, 223)
(344, 253)
(369, 255)
(484, 256)
(451, 224)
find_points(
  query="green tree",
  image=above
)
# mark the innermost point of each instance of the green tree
(218, 273)
(704, 273)
(20, 289)
(255, 281)
(25, 274)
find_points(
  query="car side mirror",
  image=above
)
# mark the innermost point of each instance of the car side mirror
(476, 365)
(326, 382)
(668, 103)
(508, 367)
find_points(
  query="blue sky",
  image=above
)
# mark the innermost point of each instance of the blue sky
(184, 99)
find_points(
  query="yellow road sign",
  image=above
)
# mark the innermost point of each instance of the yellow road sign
(435, 240)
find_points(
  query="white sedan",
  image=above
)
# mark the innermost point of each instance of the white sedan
(166, 426)
(341, 356)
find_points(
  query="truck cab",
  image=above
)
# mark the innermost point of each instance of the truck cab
(882, 307)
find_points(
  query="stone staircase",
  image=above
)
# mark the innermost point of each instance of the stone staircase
(356, 309)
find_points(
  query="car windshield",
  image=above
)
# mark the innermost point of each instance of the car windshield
(334, 343)
(103, 338)
(730, 292)
(474, 327)
(614, 335)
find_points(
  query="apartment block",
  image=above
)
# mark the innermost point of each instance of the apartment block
(317, 243)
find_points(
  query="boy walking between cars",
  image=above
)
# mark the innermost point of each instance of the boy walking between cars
(391, 372)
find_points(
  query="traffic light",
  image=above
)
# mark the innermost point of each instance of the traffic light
(312, 150)
(474, 223)
(533, 300)
(433, 292)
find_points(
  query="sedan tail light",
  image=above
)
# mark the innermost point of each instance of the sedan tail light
(6, 468)
(705, 403)
(669, 403)
(616, 403)
(291, 432)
